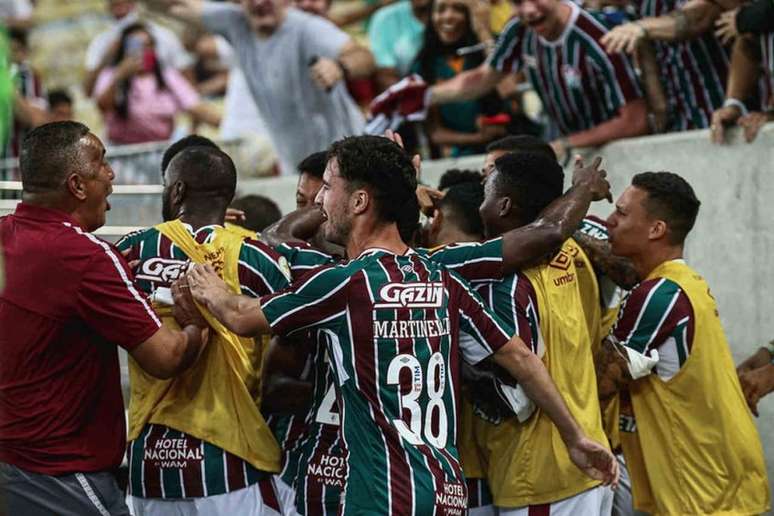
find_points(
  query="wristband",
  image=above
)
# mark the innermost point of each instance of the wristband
(732, 102)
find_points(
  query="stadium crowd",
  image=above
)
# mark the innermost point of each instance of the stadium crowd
(481, 346)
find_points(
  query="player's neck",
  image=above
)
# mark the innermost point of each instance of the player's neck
(198, 220)
(646, 262)
(456, 235)
(382, 236)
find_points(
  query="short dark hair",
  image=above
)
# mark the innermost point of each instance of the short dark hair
(206, 171)
(385, 168)
(314, 164)
(522, 143)
(671, 199)
(532, 179)
(455, 176)
(49, 153)
(462, 201)
(260, 212)
(56, 97)
(192, 140)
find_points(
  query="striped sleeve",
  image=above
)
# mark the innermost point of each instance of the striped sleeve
(302, 257)
(654, 313)
(262, 270)
(473, 260)
(506, 56)
(312, 301)
(594, 227)
(487, 331)
(522, 303)
(614, 70)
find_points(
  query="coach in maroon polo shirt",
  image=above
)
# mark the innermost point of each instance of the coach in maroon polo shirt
(67, 303)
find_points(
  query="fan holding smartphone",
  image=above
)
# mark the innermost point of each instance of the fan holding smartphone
(140, 97)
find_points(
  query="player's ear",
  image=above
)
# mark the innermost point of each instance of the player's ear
(658, 229)
(504, 206)
(359, 201)
(178, 193)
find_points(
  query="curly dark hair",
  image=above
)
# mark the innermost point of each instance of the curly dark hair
(386, 169)
(671, 199)
(532, 180)
(122, 101)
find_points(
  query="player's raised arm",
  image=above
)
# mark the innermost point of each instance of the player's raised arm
(591, 457)
(240, 314)
(524, 246)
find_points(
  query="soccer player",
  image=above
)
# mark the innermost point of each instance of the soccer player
(590, 94)
(391, 320)
(201, 444)
(692, 447)
(549, 298)
(693, 63)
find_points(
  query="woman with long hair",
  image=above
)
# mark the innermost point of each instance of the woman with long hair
(140, 97)
(456, 40)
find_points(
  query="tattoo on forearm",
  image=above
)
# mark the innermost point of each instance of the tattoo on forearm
(612, 369)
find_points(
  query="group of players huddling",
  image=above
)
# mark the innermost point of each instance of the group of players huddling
(488, 370)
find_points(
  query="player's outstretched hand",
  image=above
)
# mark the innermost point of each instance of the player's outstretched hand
(184, 309)
(205, 284)
(595, 460)
(594, 177)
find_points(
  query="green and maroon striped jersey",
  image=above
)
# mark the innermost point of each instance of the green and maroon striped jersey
(261, 269)
(192, 467)
(392, 327)
(579, 83)
(657, 315)
(693, 72)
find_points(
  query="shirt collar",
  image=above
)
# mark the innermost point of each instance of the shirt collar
(33, 212)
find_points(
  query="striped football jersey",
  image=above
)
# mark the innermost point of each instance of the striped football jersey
(693, 72)
(392, 325)
(578, 82)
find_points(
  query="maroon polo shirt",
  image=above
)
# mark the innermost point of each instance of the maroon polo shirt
(68, 302)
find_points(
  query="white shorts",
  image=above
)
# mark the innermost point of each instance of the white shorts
(287, 497)
(597, 501)
(243, 502)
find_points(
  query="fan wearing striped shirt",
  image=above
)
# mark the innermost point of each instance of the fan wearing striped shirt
(592, 96)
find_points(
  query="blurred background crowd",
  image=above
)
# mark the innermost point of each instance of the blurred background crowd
(574, 74)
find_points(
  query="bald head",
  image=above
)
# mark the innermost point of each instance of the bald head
(50, 153)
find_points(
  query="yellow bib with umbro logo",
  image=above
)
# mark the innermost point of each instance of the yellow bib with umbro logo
(528, 462)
